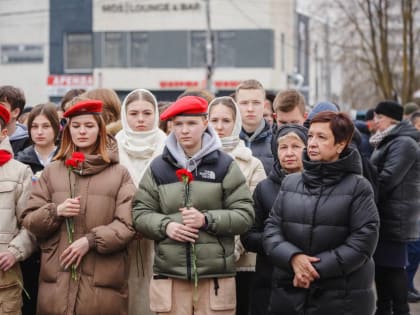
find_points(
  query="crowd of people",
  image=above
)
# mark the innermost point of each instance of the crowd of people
(247, 204)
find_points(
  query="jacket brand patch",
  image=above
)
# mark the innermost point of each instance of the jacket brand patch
(208, 174)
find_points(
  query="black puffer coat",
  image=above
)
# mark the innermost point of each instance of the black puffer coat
(264, 196)
(328, 212)
(397, 159)
(261, 146)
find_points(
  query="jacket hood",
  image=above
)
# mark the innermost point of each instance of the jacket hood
(316, 173)
(210, 143)
(28, 156)
(404, 128)
(277, 173)
(21, 132)
(301, 131)
(114, 127)
(240, 152)
(94, 163)
(6, 146)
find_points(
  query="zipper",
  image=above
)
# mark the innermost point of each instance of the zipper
(308, 292)
(188, 252)
(314, 213)
(224, 253)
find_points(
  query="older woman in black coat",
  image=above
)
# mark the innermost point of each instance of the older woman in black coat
(287, 146)
(397, 158)
(323, 228)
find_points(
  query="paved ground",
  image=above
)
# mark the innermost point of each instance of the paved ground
(415, 307)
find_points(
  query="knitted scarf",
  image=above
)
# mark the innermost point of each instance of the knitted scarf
(377, 138)
(5, 157)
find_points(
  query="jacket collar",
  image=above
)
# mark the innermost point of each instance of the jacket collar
(318, 173)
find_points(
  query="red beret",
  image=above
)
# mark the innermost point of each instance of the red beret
(186, 106)
(85, 107)
(4, 114)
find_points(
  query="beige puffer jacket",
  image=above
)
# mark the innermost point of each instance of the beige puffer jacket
(15, 188)
(106, 191)
(253, 170)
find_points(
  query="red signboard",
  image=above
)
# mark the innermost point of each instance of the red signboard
(176, 84)
(59, 84)
(71, 81)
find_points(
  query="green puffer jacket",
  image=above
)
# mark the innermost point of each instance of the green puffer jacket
(219, 190)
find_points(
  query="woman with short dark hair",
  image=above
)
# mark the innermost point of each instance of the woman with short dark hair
(323, 228)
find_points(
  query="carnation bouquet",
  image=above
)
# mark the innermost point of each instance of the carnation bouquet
(186, 178)
(73, 163)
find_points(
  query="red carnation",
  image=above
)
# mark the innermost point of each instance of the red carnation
(79, 157)
(184, 175)
(71, 163)
(75, 159)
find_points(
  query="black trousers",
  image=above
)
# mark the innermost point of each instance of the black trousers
(391, 288)
(30, 272)
(244, 282)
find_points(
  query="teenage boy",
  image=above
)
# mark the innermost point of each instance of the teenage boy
(13, 99)
(16, 244)
(289, 107)
(256, 132)
(194, 241)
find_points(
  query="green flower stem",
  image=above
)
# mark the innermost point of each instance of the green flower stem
(193, 249)
(70, 227)
(194, 263)
(20, 283)
(73, 272)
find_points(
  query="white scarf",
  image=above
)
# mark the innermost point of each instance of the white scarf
(138, 148)
(230, 142)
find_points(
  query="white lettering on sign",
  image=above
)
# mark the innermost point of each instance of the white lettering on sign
(58, 85)
(129, 7)
(72, 81)
(220, 84)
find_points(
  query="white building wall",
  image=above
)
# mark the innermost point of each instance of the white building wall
(225, 15)
(24, 22)
(27, 22)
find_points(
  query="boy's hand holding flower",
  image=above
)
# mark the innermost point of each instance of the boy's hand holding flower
(192, 217)
(181, 233)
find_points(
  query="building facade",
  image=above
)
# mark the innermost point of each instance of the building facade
(159, 45)
(24, 47)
